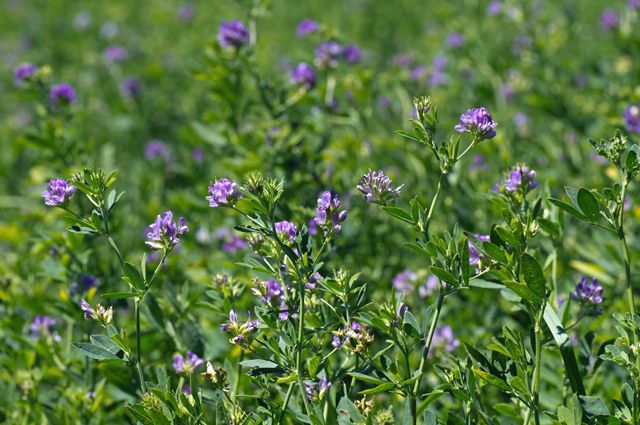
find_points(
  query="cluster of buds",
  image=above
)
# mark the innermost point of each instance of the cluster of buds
(241, 331)
(101, 314)
(377, 188)
(226, 285)
(357, 337)
(217, 376)
(364, 406)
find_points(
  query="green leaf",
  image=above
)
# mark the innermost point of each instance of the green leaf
(380, 388)
(491, 379)
(399, 213)
(348, 413)
(94, 351)
(410, 319)
(566, 350)
(120, 295)
(133, 276)
(495, 252)
(507, 236)
(523, 291)
(572, 414)
(568, 208)
(444, 275)
(594, 406)
(366, 378)
(533, 275)
(588, 205)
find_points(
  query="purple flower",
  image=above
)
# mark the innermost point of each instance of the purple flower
(241, 331)
(233, 34)
(404, 60)
(404, 282)
(58, 193)
(376, 188)
(520, 120)
(307, 26)
(101, 314)
(231, 242)
(520, 177)
(62, 94)
(609, 20)
(130, 86)
(352, 53)
(157, 149)
(197, 154)
(474, 254)
(304, 75)
(186, 365)
(328, 216)
(478, 122)
(494, 8)
(443, 338)
(418, 72)
(589, 293)
(286, 230)
(438, 78)
(506, 91)
(42, 326)
(223, 193)
(164, 232)
(87, 282)
(632, 118)
(113, 54)
(429, 287)
(186, 12)
(328, 53)
(317, 391)
(478, 163)
(633, 4)
(439, 63)
(24, 72)
(520, 43)
(455, 39)
(313, 281)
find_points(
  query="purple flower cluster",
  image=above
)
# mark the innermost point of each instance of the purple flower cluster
(62, 94)
(455, 39)
(130, 86)
(114, 54)
(186, 12)
(328, 216)
(241, 332)
(589, 293)
(42, 327)
(520, 177)
(86, 282)
(316, 392)
(307, 26)
(286, 231)
(24, 72)
(376, 188)
(429, 287)
(478, 122)
(58, 193)
(632, 118)
(187, 365)
(609, 20)
(223, 193)
(157, 149)
(304, 75)
(101, 314)
(231, 242)
(329, 53)
(405, 281)
(233, 34)
(164, 232)
(443, 338)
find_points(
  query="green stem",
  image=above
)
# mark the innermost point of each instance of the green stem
(625, 249)
(138, 347)
(425, 354)
(432, 207)
(299, 342)
(287, 397)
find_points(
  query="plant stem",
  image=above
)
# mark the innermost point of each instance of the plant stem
(432, 207)
(138, 347)
(300, 341)
(536, 372)
(286, 402)
(425, 354)
(625, 249)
